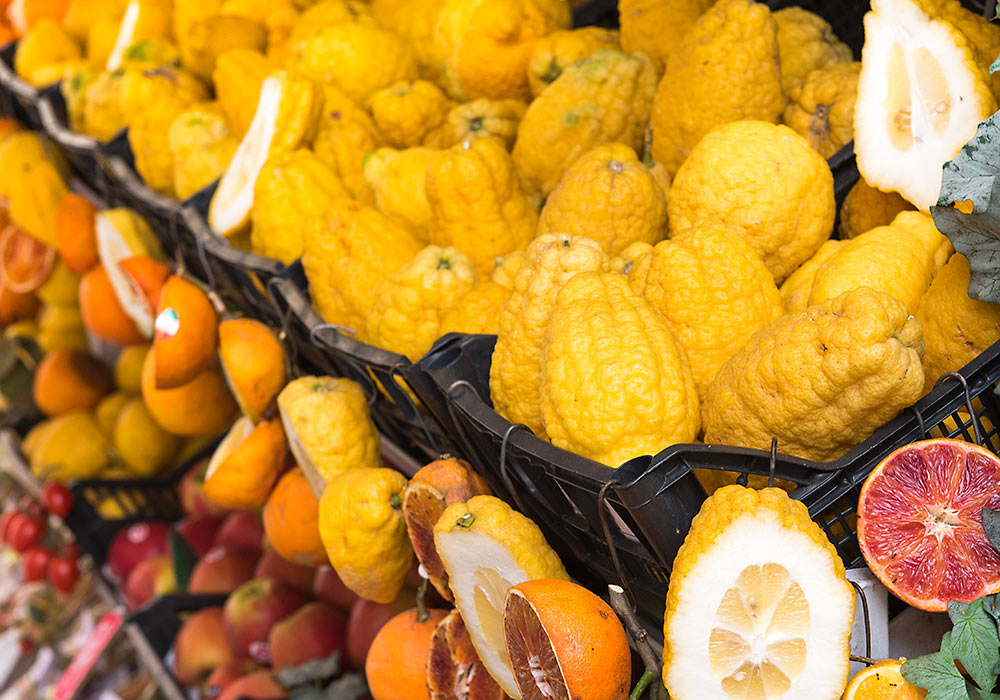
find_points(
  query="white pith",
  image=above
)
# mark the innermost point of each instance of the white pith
(464, 553)
(126, 31)
(112, 249)
(233, 199)
(915, 173)
(756, 541)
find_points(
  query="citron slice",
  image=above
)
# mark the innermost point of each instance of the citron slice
(143, 19)
(487, 548)
(758, 606)
(921, 96)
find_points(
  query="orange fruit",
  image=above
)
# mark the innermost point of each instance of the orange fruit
(186, 333)
(564, 642)
(68, 380)
(102, 313)
(7, 125)
(291, 520)
(76, 238)
(23, 14)
(253, 362)
(396, 666)
(202, 406)
(920, 523)
(25, 262)
(431, 490)
(148, 276)
(16, 306)
(883, 681)
(245, 465)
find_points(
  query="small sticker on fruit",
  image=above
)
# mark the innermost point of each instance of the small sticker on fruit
(167, 324)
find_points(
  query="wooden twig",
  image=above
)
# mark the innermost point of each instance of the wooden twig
(621, 606)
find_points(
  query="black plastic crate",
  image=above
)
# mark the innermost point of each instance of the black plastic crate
(18, 96)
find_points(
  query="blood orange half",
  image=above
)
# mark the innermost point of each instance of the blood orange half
(920, 526)
(24, 261)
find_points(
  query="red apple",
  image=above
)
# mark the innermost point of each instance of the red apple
(199, 532)
(257, 685)
(222, 570)
(242, 529)
(134, 544)
(150, 579)
(200, 646)
(193, 500)
(224, 675)
(328, 587)
(253, 609)
(273, 565)
(366, 619)
(314, 631)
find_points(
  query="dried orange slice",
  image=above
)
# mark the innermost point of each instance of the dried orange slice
(920, 523)
(25, 262)
(565, 643)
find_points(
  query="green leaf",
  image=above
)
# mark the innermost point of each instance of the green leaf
(991, 523)
(313, 670)
(974, 176)
(975, 642)
(350, 686)
(977, 694)
(995, 66)
(937, 674)
(183, 559)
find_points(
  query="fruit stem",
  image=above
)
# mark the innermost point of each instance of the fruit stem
(466, 520)
(423, 614)
(621, 606)
(395, 501)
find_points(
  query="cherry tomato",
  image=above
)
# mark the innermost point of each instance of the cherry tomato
(30, 506)
(35, 564)
(57, 498)
(25, 532)
(5, 522)
(63, 573)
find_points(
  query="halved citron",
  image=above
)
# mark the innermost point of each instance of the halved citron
(921, 96)
(487, 547)
(758, 605)
(920, 523)
(143, 19)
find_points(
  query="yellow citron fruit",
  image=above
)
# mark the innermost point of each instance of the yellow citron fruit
(605, 98)
(820, 380)
(623, 262)
(398, 180)
(286, 118)
(328, 426)
(35, 436)
(882, 681)
(656, 27)
(476, 311)
(866, 207)
(410, 304)
(478, 204)
(61, 288)
(406, 112)
(515, 372)
(821, 109)
(292, 188)
(44, 51)
(108, 409)
(201, 145)
(713, 291)
(758, 604)
(209, 38)
(345, 135)
(72, 446)
(414, 21)
(487, 547)
(145, 447)
(485, 44)
(909, 251)
(806, 42)
(977, 28)
(237, 77)
(347, 254)
(725, 69)
(362, 527)
(31, 178)
(554, 53)
(478, 119)
(610, 197)
(956, 327)
(645, 399)
(506, 269)
(61, 326)
(921, 97)
(780, 196)
(796, 288)
(143, 19)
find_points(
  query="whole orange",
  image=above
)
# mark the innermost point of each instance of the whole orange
(565, 642)
(102, 314)
(291, 520)
(396, 667)
(16, 306)
(76, 237)
(68, 380)
(202, 406)
(186, 335)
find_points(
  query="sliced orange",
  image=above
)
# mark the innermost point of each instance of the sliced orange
(186, 333)
(102, 313)
(146, 276)
(454, 671)
(920, 523)
(565, 643)
(883, 681)
(246, 464)
(25, 262)
(253, 362)
(291, 520)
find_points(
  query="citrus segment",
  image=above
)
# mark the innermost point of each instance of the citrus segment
(25, 262)
(454, 671)
(920, 523)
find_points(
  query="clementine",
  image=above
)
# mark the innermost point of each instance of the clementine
(291, 520)
(76, 238)
(103, 315)
(68, 380)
